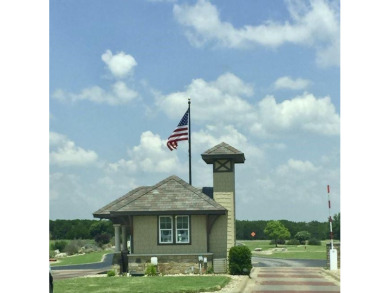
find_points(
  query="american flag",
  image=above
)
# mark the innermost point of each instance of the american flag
(180, 133)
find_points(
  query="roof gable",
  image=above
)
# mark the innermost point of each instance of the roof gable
(170, 196)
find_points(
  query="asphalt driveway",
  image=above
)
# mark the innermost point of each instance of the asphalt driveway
(275, 262)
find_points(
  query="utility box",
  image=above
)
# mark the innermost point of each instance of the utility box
(333, 259)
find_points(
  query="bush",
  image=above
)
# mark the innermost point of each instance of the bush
(280, 241)
(111, 273)
(293, 242)
(240, 262)
(52, 254)
(89, 247)
(314, 241)
(74, 246)
(60, 245)
(210, 270)
(102, 239)
(151, 270)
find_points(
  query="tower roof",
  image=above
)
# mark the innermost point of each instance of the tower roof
(223, 151)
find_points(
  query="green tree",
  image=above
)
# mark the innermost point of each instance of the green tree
(100, 227)
(276, 231)
(336, 226)
(302, 236)
(318, 230)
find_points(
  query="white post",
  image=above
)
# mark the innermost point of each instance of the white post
(117, 237)
(333, 259)
(332, 251)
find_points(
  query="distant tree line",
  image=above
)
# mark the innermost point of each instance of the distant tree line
(90, 229)
(79, 229)
(317, 230)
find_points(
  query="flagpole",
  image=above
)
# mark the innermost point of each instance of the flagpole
(189, 139)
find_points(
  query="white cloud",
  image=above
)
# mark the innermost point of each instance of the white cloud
(222, 98)
(120, 65)
(296, 182)
(123, 94)
(212, 135)
(119, 95)
(64, 152)
(287, 82)
(225, 104)
(151, 155)
(315, 25)
(305, 112)
(296, 166)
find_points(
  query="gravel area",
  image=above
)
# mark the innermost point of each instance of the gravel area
(235, 285)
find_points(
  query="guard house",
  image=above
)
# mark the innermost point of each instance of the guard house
(176, 222)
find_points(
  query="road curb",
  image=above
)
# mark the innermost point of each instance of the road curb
(240, 288)
(333, 275)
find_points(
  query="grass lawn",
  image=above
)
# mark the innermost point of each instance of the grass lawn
(165, 284)
(293, 251)
(81, 259)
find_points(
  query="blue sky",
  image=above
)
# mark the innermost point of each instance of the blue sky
(264, 77)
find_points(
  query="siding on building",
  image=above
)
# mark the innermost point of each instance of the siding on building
(226, 199)
(218, 237)
(145, 237)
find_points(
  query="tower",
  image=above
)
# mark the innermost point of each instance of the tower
(223, 157)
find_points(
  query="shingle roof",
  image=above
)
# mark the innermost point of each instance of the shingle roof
(170, 196)
(223, 151)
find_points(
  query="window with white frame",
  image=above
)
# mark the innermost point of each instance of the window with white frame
(182, 229)
(166, 229)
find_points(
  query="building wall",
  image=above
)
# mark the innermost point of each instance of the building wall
(226, 199)
(224, 181)
(224, 194)
(145, 237)
(218, 237)
(170, 264)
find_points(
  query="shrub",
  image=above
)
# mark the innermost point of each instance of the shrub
(293, 242)
(102, 239)
(74, 246)
(314, 241)
(240, 262)
(111, 273)
(52, 254)
(89, 247)
(210, 270)
(280, 241)
(60, 245)
(151, 270)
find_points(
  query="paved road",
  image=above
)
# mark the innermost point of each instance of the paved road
(71, 271)
(290, 275)
(61, 272)
(106, 262)
(291, 279)
(275, 262)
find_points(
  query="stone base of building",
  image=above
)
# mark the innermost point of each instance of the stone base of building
(170, 264)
